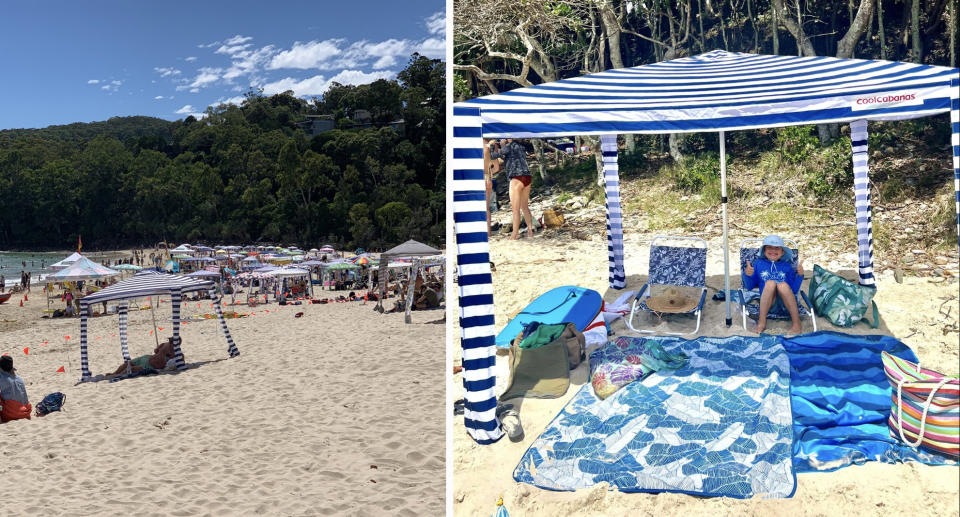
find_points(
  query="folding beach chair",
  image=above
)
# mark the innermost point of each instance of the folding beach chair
(673, 266)
(749, 300)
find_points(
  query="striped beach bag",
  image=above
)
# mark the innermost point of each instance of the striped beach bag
(925, 406)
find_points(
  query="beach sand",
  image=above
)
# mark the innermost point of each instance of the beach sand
(338, 412)
(910, 311)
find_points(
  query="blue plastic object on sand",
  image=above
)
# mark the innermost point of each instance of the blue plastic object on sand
(566, 304)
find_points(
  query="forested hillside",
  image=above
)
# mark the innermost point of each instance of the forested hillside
(240, 174)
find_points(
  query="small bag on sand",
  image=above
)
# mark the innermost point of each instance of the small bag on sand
(553, 218)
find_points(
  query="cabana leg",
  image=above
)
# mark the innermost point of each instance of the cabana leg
(122, 310)
(474, 278)
(84, 365)
(175, 298)
(861, 190)
(231, 346)
(611, 180)
(726, 249)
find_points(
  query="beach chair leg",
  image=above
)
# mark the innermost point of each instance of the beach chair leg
(635, 312)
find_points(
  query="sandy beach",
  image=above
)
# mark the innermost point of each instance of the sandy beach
(916, 312)
(337, 412)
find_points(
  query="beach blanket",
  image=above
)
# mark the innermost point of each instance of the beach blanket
(718, 426)
(841, 399)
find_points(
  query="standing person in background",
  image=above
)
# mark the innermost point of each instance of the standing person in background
(3, 284)
(518, 173)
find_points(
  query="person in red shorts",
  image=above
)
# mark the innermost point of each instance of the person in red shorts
(518, 173)
(14, 404)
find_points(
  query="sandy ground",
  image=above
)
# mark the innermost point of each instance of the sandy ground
(915, 311)
(338, 412)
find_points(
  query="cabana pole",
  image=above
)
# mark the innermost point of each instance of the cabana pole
(153, 316)
(723, 205)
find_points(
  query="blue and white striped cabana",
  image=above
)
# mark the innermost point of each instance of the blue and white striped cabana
(142, 285)
(717, 91)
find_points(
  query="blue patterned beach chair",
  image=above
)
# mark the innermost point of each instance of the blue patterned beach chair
(673, 265)
(749, 300)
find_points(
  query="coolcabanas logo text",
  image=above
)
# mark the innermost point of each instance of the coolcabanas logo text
(885, 99)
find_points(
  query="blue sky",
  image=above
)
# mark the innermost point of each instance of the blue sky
(83, 61)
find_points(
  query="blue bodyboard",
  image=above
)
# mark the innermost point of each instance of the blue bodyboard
(566, 304)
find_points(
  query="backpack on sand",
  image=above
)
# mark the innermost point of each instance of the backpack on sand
(50, 403)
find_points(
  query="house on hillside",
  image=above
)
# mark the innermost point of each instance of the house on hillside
(361, 119)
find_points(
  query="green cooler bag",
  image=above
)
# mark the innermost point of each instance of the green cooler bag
(841, 301)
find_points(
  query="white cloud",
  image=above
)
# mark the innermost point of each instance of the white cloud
(318, 84)
(434, 48)
(165, 72)
(159, 97)
(190, 58)
(437, 23)
(313, 54)
(184, 110)
(236, 101)
(93, 81)
(112, 86)
(206, 77)
(248, 62)
(194, 90)
(238, 39)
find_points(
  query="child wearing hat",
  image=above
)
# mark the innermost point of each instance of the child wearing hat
(779, 283)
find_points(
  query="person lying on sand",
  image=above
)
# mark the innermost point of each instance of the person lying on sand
(158, 361)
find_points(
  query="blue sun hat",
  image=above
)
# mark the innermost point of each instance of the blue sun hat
(775, 240)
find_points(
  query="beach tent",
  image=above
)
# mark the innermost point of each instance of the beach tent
(717, 91)
(82, 269)
(67, 261)
(142, 285)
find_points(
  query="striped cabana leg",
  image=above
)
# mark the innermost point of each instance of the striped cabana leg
(475, 280)
(611, 180)
(122, 310)
(231, 347)
(84, 365)
(955, 141)
(861, 190)
(175, 298)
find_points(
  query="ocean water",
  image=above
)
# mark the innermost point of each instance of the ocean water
(37, 263)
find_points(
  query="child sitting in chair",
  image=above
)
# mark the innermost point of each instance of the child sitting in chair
(773, 273)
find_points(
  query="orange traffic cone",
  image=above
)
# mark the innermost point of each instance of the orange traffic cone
(21, 303)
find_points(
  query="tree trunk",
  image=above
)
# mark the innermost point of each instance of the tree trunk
(630, 142)
(775, 31)
(703, 45)
(803, 43)
(538, 152)
(674, 143)
(611, 26)
(756, 31)
(880, 33)
(916, 53)
(848, 43)
(953, 34)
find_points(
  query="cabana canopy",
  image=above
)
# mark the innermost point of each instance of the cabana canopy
(411, 248)
(82, 269)
(142, 285)
(717, 91)
(67, 261)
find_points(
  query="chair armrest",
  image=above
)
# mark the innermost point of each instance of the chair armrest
(806, 300)
(641, 291)
(703, 298)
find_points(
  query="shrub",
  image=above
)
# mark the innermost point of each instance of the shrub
(831, 170)
(694, 174)
(797, 143)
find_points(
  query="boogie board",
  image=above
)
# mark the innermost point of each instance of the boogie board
(567, 304)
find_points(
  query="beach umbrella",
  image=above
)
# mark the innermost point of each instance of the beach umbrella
(361, 260)
(289, 272)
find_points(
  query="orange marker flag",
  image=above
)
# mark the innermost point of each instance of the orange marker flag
(159, 328)
(198, 305)
(26, 350)
(67, 338)
(61, 370)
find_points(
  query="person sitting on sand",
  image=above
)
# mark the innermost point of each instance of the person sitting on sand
(779, 283)
(14, 403)
(427, 298)
(158, 361)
